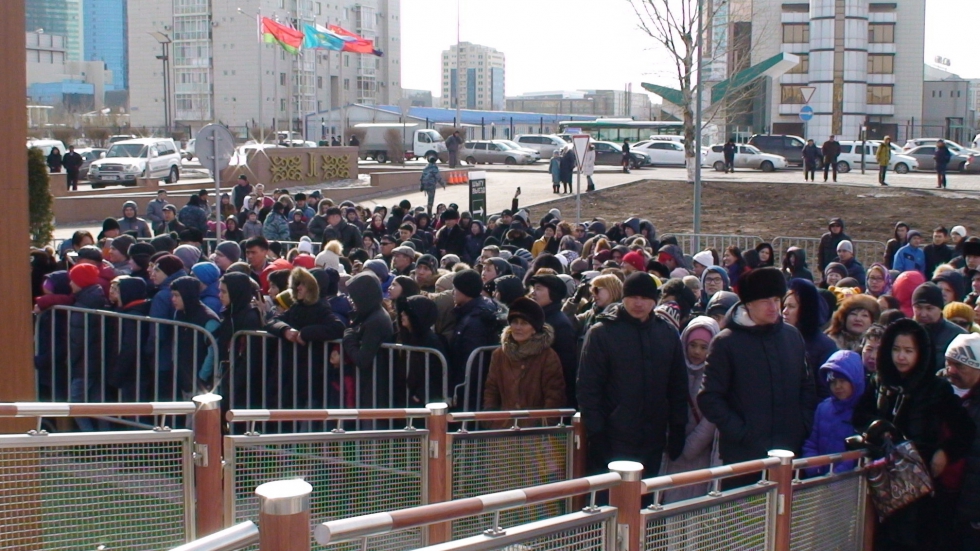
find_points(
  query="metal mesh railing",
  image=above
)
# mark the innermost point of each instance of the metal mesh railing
(583, 531)
(866, 252)
(468, 395)
(124, 490)
(494, 461)
(835, 501)
(740, 520)
(351, 474)
(692, 243)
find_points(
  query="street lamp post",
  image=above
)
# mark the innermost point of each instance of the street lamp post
(260, 134)
(165, 41)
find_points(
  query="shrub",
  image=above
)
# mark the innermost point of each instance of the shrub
(40, 201)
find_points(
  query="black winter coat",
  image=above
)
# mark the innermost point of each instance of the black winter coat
(316, 323)
(632, 386)
(370, 329)
(476, 326)
(86, 340)
(348, 235)
(969, 506)
(757, 388)
(127, 362)
(451, 241)
(828, 246)
(565, 345)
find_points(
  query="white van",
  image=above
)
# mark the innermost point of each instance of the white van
(850, 158)
(47, 145)
(128, 160)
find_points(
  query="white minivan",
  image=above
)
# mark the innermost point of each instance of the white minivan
(128, 160)
(850, 158)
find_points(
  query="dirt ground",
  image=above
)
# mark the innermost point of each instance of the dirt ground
(768, 210)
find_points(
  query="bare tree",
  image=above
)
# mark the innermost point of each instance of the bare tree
(683, 29)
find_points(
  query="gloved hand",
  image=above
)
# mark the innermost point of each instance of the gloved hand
(675, 442)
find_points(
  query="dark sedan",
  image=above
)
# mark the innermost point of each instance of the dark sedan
(611, 154)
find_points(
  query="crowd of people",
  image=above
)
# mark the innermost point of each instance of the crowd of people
(676, 359)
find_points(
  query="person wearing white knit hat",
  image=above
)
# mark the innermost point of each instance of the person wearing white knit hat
(702, 260)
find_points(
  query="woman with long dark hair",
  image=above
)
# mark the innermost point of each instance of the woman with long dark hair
(733, 261)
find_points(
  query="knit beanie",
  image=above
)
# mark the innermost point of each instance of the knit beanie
(170, 264)
(529, 311)
(636, 260)
(188, 254)
(705, 258)
(928, 293)
(965, 349)
(231, 250)
(698, 333)
(958, 310)
(761, 283)
(428, 261)
(641, 284)
(84, 275)
(379, 268)
(835, 267)
(510, 288)
(468, 282)
(140, 254)
(123, 243)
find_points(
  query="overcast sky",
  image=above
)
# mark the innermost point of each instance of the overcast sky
(583, 44)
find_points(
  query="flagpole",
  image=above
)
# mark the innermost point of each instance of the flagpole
(459, 69)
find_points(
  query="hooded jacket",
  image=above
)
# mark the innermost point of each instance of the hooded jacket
(161, 336)
(134, 223)
(632, 386)
(921, 405)
(275, 227)
(208, 274)
(51, 360)
(348, 235)
(700, 431)
(85, 342)
(885, 274)
(968, 509)
(720, 270)
(827, 251)
(134, 357)
(192, 346)
(832, 420)
(329, 280)
(757, 388)
(894, 244)
(412, 381)
(474, 244)
(565, 345)
(371, 328)
(813, 315)
(240, 315)
(905, 284)
(476, 326)
(795, 266)
(525, 375)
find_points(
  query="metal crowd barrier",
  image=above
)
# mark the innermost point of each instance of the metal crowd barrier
(866, 252)
(271, 373)
(835, 499)
(692, 243)
(96, 364)
(469, 393)
(101, 490)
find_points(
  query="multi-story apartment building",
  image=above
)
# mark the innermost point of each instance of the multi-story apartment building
(475, 75)
(221, 71)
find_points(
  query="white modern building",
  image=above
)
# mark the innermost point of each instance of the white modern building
(860, 65)
(221, 72)
(474, 74)
(54, 80)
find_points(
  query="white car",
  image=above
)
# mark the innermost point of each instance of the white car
(533, 152)
(746, 156)
(128, 160)
(545, 144)
(954, 147)
(850, 157)
(662, 153)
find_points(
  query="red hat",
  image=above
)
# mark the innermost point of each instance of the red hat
(304, 261)
(277, 264)
(84, 275)
(636, 260)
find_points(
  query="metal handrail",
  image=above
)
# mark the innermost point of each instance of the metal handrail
(232, 538)
(831, 459)
(257, 415)
(468, 379)
(379, 523)
(700, 476)
(509, 415)
(47, 409)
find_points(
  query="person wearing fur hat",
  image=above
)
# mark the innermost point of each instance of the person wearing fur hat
(807, 312)
(699, 450)
(853, 317)
(549, 291)
(632, 382)
(525, 372)
(758, 390)
(911, 257)
(451, 238)
(85, 343)
(924, 410)
(927, 309)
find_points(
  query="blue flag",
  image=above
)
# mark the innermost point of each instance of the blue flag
(318, 38)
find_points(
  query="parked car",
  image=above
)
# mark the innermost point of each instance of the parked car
(121, 137)
(784, 145)
(127, 160)
(662, 153)
(953, 146)
(924, 155)
(188, 152)
(545, 144)
(47, 145)
(611, 154)
(494, 151)
(89, 155)
(850, 158)
(514, 145)
(746, 156)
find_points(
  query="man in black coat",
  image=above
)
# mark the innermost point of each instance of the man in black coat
(370, 328)
(831, 151)
(757, 388)
(338, 229)
(451, 239)
(72, 162)
(476, 325)
(729, 150)
(549, 292)
(632, 382)
(827, 251)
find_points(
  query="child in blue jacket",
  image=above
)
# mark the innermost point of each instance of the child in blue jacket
(844, 373)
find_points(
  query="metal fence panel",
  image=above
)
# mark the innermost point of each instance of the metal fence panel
(113, 357)
(351, 474)
(739, 520)
(122, 490)
(582, 531)
(834, 501)
(493, 461)
(267, 372)
(469, 393)
(866, 252)
(692, 243)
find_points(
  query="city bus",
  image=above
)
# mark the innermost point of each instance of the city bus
(616, 130)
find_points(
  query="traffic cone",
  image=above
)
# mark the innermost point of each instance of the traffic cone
(451, 178)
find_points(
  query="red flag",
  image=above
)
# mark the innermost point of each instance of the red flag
(359, 45)
(289, 38)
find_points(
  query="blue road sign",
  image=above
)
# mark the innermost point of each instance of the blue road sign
(806, 113)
